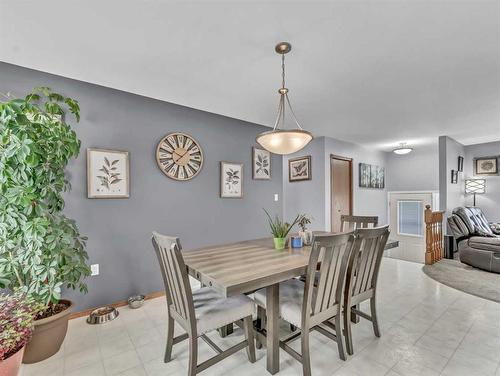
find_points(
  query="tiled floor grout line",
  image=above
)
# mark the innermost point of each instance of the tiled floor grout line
(427, 330)
(454, 351)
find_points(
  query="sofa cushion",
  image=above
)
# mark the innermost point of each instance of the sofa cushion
(474, 219)
(484, 243)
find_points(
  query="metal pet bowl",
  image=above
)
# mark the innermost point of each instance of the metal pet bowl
(102, 315)
(136, 301)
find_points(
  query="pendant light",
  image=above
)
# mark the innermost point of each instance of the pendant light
(281, 140)
(402, 149)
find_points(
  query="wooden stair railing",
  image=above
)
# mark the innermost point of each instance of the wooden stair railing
(433, 235)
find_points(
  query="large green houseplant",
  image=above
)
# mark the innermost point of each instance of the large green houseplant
(41, 250)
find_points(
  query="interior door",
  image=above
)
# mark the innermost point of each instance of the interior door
(341, 190)
(407, 225)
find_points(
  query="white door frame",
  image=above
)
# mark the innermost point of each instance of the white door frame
(435, 200)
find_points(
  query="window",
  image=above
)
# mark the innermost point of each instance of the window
(410, 218)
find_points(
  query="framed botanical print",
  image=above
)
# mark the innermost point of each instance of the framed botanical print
(231, 180)
(261, 164)
(107, 173)
(486, 166)
(299, 169)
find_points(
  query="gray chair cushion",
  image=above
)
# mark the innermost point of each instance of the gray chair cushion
(474, 219)
(213, 310)
(291, 298)
(485, 243)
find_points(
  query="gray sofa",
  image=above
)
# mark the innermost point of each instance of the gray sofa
(477, 244)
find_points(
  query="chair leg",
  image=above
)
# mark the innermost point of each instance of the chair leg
(248, 327)
(347, 330)
(193, 355)
(261, 324)
(373, 308)
(306, 359)
(170, 339)
(340, 337)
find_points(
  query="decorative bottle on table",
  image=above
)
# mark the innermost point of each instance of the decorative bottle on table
(304, 233)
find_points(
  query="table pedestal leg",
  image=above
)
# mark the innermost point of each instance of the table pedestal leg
(272, 329)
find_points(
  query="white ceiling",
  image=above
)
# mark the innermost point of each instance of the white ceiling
(372, 72)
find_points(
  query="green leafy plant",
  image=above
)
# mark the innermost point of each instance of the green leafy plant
(280, 229)
(41, 250)
(303, 222)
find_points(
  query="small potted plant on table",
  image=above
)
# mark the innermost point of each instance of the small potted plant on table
(280, 229)
(41, 250)
(17, 316)
(304, 233)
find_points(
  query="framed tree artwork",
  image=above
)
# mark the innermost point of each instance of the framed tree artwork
(261, 164)
(299, 169)
(371, 176)
(108, 173)
(231, 180)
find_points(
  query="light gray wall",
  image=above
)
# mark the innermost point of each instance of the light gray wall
(313, 197)
(367, 201)
(119, 230)
(307, 197)
(450, 195)
(416, 171)
(489, 202)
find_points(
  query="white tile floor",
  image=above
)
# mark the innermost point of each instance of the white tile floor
(427, 329)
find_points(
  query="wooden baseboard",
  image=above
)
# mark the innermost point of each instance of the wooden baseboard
(120, 303)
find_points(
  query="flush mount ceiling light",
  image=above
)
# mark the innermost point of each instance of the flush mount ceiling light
(281, 140)
(403, 149)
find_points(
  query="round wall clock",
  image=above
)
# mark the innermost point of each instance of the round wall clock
(179, 156)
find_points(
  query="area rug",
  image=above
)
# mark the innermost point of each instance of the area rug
(465, 278)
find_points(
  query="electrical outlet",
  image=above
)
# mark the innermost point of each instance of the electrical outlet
(94, 269)
(276, 197)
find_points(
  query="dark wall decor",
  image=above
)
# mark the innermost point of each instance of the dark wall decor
(460, 164)
(371, 176)
(454, 176)
(486, 166)
(299, 169)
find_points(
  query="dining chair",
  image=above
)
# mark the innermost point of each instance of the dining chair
(353, 222)
(199, 311)
(362, 276)
(308, 307)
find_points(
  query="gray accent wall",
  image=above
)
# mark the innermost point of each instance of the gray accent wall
(119, 230)
(489, 202)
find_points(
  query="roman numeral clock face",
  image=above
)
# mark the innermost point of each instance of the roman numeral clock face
(179, 156)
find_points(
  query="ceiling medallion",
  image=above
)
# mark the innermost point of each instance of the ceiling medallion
(281, 140)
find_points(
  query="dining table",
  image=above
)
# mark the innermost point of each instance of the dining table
(246, 266)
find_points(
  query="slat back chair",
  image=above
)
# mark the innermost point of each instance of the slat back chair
(353, 222)
(362, 276)
(181, 308)
(324, 302)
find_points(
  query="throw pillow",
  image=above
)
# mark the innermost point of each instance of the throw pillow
(495, 227)
(480, 232)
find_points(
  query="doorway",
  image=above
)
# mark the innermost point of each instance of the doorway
(407, 224)
(341, 189)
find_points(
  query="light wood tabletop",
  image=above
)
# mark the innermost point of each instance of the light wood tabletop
(244, 267)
